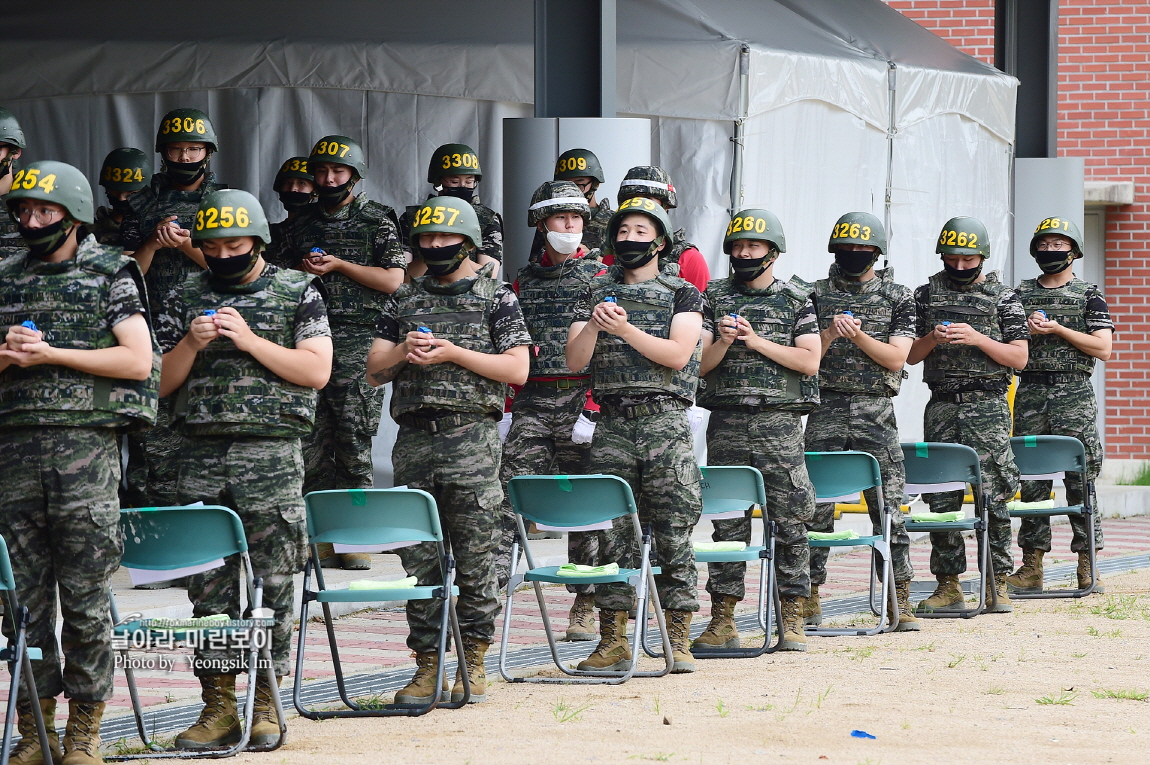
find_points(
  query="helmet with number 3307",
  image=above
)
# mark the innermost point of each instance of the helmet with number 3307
(964, 236)
(338, 150)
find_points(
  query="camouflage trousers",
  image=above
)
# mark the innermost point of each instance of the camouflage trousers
(459, 466)
(261, 479)
(655, 455)
(863, 423)
(338, 452)
(153, 463)
(539, 443)
(59, 515)
(983, 424)
(1065, 409)
(771, 441)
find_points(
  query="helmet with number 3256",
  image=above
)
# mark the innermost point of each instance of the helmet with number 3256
(964, 236)
(231, 212)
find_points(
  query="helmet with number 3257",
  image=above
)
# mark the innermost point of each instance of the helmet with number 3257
(56, 182)
(964, 236)
(446, 215)
(230, 212)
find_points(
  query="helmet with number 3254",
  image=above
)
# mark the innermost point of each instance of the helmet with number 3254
(758, 224)
(338, 150)
(230, 212)
(126, 169)
(55, 182)
(446, 215)
(964, 236)
(453, 159)
(186, 125)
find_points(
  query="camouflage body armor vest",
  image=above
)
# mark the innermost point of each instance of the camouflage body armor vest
(616, 367)
(68, 302)
(547, 295)
(744, 373)
(1066, 305)
(459, 312)
(976, 305)
(846, 367)
(229, 392)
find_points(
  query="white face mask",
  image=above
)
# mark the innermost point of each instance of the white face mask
(564, 243)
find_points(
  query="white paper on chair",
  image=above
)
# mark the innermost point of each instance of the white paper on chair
(848, 498)
(371, 548)
(1043, 477)
(933, 488)
(147, 576)
(592, 527)
(724, 516)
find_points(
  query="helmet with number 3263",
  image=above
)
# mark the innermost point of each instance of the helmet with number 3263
(858, 228)
(230, 212)
(964, 236)
(56, 182)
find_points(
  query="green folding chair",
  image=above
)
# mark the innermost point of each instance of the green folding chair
(374, 518)
(171, 538)
(19, 657)
(1044, 458)
(575, 501)
(840, 474)
(933, 468)
(729, 492)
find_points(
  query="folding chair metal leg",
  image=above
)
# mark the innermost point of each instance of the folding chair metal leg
(1091, 540)
(768, 606)
(985, 574)
(20, 667)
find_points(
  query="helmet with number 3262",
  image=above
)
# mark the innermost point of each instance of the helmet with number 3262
(230, 212)
(964, 236)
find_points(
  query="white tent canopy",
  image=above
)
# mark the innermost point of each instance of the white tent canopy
(828, 120)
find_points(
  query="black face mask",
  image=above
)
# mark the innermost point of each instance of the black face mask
(233, 269)
(459, 192)
(186, 173)
(120, 206)
(962, 276)
(1054, 261)
(441, 261)
(636, 254)
(43, 241)
(590, 193)
(294, 200)
(332, 196)
(749, 269)
(855, 262)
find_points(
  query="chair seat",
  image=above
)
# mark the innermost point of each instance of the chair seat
(1046, 513)
(860, 542)
(380, 595)
(549, 574)
(7, 654)
(751, 553)
(717, 505)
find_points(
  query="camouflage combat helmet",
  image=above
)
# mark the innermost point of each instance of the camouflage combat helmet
(648, 181)
(10, 131)
(446, 215)
(340, 150)
(964, 236)
(186, 125)
(55, 182)
(296, 167)
(578, 163)
(858, 228)
(757, 224)
(453, 159)
(631, 206)
(126, 169)
(231, 212)
(555, 197)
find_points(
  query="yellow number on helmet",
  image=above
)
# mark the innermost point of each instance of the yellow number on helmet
(200, 127)
(48, 183)
(456, 160)
(736, 225)
(242, 219)
(437, 216)
(199, 220)
(30, 178)
(454, 215)
(227, 220)
(344, 149)
(962, 239)
(760, 225)
(748, 223)
(972, 241)
(446, 161)
(854, 231)
(866, 233)
(211, 219)
(582, 163)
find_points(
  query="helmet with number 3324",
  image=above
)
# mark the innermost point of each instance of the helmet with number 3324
(56, 182)
(453, 159)
(126, 169)
(964, 236)
(231, 212)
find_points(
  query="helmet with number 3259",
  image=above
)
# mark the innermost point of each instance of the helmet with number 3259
(964, 236)
(56, 182)
(231, 212)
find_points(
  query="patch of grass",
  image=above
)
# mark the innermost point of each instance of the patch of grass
(955, 661)
(995, 690)
(377, 701)
(759, 708)
(658, 709)
(1141, 477)
(823, 696)
(657, 757)
(1078, 655)
(1063, 699)
(928, 647)
(564, 712)
(905, 725)
(1119, 606)
(722, 708)
(1121, 694)
(862, 652)
(782, 715)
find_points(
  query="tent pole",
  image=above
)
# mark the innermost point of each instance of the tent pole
(892, 90)
(740, 124)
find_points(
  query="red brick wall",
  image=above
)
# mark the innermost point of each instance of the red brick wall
(1104, 116)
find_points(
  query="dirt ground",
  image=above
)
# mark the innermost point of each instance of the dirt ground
(1035, 686)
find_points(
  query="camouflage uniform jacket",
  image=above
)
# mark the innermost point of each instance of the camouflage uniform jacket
(11, 243)
(595, 229)
(106, 229)
(1069, 305)
(547, 295)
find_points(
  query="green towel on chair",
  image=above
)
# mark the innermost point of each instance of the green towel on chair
(368, 584)
(937, 517)
(832, 536)
(1044, 505)
(720, 546)
(575, 570)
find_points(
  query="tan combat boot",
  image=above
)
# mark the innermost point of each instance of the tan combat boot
(355, 561)
(422, 686)
(906, 618)
(1003, 606)
(613, 652)
(82, 734)
(813, 609)
(721, 632)
(581, 621)
(327, 556)
(947, 596)
(473, 655)
(1028, 577)
(219, 723)
(791, 624)
(679, 633)
(27, 750)
(265, 721)
(1084, 574)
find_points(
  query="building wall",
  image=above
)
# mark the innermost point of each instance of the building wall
(1103, 113)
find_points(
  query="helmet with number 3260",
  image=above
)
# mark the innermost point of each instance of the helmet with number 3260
(231, 212)
(758, 224)
(964, 236)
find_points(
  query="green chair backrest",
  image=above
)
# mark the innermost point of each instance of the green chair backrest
(163, 538)
(372, 516)
(837, 474)
(1041, 455)
(570, 500)
(930, 463)
(7, 581)
(727, 488)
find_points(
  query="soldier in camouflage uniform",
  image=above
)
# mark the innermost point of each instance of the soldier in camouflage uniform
(359, 261)
(449, 388)
(12, 146)
(546, 409)
(867, 325)
(650, 182)
(760, 357)
(295, 186)
(78, 364)
(1070, 327)
(157, 232)
(971, 335)
(581, 167)
(125, 172)
(454, 172)
(245, 379)
(643, 350)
